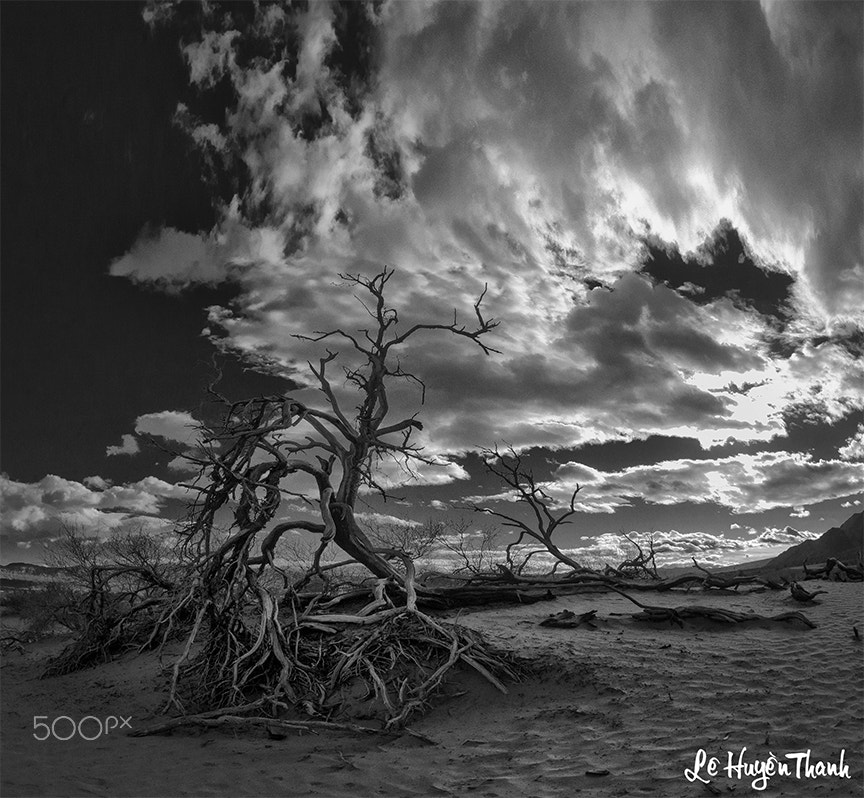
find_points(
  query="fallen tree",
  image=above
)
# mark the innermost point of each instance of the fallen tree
(567, 619)
(677, 615)
(835, 571)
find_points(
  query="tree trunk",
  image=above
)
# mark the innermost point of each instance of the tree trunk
(351, 539)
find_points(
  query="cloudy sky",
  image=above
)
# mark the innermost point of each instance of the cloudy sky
(664, 202)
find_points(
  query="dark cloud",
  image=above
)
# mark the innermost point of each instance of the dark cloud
(723, 266)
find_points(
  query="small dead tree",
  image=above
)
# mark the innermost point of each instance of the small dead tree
(641, 564)
(472, 549)
(526, 492)
(415, 540)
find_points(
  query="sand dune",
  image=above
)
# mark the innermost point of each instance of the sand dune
(629, 698)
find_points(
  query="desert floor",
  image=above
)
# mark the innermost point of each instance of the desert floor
(633, 699)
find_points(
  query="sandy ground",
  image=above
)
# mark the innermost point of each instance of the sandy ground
(633, 699)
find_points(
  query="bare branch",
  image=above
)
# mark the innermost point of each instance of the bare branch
(509, 468)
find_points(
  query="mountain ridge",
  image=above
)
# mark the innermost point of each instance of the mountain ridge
(844, 543)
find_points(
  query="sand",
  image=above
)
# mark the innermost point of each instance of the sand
(633, 699)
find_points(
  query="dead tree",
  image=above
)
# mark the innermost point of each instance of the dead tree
(271, 447)
(526, 492)
(263, 441)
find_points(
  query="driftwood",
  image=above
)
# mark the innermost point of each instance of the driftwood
(570, 620)
(678, 615)
(802, 595)
(834, 571)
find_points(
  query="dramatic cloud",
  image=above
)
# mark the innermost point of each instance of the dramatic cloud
(744, 483)
(662, 202)
(721, 267)
(775, 94)
(545, 149)
(37, 511)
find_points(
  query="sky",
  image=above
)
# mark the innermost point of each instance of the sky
(663, 203)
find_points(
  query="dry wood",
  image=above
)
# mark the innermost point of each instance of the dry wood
(677, 615)
(570, 620)
(801, 594)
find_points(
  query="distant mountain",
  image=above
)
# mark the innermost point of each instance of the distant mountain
(843, 542)
(27, 572)
(31, 569)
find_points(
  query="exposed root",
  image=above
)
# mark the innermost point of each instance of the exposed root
(385, 665)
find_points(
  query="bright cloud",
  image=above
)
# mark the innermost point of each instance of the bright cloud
(172, 259)
(171, 425)
(128, 445)
(854, 447)
(34, 511)
(174, 426)
(673, 547)
(382, 519)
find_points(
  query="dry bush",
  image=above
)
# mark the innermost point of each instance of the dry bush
(415, 540)
(474, 551)
(45, 610)
(116, 589)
